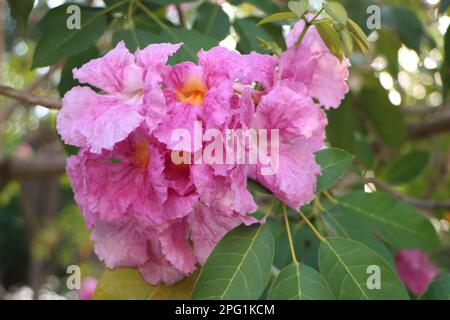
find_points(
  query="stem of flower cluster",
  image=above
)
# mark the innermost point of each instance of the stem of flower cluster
(288, 229)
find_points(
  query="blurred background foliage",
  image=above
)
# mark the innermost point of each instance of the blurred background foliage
(396, 118)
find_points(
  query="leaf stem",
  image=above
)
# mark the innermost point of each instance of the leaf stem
(330, 197)
(306, 28)
(311, 226)
(288, 229)
(269, 210)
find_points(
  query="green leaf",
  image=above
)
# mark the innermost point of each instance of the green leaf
(331, 38)
(268, 6)
(54, 46)
(397, 223)
(67, 81)
(300, 282)
(358, 34)
(407, 167)
(343, 225)
(347, 40)
(344, 264)
(336, 11)
(20, 10)
(298, 7)
(249, 33)
(439, 289)
(387, 119)
(445, 69)
(363, 151)
(239, 266)
(192, 41)
(127, 284)
(405, 23)
(212, 21)
(136, 38)
(334, 163)
(277, 17)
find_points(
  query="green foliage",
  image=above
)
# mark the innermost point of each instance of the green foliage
(439, 289)
(397, 223)
(407, 167)
(344, 265)
(243, 258)
(212, 21)
(20, 10)
(300, 282)
(334, 164)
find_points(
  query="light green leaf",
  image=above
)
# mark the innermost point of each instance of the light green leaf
(300, 282)
(277, 17)
(54, 46)
(239, 266)
(127, 284)
(439, 289)
(331, 38)
(407, 167)
(336, 11)
(358, 34)
(20, 10)
(344, 264)
(347, 40)
(298, 7)
(397, 223)
(334, 163)
(212, 21)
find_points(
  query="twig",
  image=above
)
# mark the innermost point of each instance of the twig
(30, 98)
(434, 125)
(180, 16)
(420, 203)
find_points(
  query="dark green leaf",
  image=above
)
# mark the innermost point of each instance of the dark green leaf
(54, 46)
(344, 264)
(67, 81)
(239, 266)
(443, 6)
(334, 163)
(397, 223)
(439, 289)
(300, 282)
(20, 10)
(407, 167)
(248, 34)
(387, 119)
(364, 151)
(212, 21)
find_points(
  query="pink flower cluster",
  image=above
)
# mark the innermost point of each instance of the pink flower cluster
(163, 218)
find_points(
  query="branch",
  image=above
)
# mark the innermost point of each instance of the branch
(40, 166)
(420, 203)
(30, 98)
(434, 125)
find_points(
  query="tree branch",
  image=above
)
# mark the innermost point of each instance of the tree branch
(40, 166)
(30, 98)
(420, 203)
(434, 125)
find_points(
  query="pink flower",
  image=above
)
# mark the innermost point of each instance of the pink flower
(131, 96)
(315, 66)
(88, 286)
(301, 124)
(415, 270)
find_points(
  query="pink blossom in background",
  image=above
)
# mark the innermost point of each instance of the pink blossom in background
(88, 286)
(415, 270)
